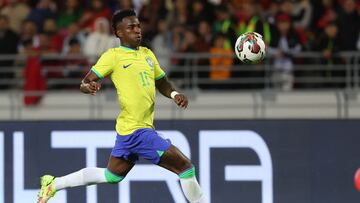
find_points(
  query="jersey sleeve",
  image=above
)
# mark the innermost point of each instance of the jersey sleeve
(105, 65)
(159, 73)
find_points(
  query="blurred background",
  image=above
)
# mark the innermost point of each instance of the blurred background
(285, 130)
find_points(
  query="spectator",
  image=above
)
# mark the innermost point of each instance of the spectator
(225, 24)
(188, 43)
(52, 68)
(300, 14)
(161, 46)
(270, 14)
(34, 72)
(148, 31)
(220, 66)
(149, 16)
(330, 15)
(74, 67)
(251, 21)
(34, 81)
(75, 47)
(203, 44)
(27, 47)
(16, 11)
(73, 32)
(200, 11)
(70, 14)
(349, 22)
(180, 14)
(329, 45)
(98, 9)
(45, 47)
(181, 41)
(55, 39)
(284, 44)
(44, 9)
(8, 45)
(286, 6)
(205, 36)
(29, 33)
(326, 12)
(177, 36)
(100, 39)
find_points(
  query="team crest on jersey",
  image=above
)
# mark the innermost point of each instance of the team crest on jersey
(150, 62)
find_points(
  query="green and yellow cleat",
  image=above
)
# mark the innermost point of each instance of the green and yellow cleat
(47, 190)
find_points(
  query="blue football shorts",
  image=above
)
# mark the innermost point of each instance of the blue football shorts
(144, 142)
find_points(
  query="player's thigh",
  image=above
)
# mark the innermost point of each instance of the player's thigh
(119, 166)
(174, 160)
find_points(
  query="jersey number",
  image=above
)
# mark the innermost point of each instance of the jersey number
(144, 78)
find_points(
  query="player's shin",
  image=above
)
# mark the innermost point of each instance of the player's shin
(191, 187)
(85, 176)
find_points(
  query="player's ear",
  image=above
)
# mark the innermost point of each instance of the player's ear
(118, 30)
(119, 33)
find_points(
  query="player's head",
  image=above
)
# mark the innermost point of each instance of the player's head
(126, 26)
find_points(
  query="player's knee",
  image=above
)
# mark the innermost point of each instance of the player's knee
(187, 165)
(112, 178)
(188, 173)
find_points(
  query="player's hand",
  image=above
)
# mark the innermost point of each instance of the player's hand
(90, 88)
(181, 100)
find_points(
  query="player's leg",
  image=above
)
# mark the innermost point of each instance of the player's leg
(151, 146)
(174, 160)
(116, 171)
(120, 163)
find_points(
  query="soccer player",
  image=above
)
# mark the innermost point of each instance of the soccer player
(135, 73)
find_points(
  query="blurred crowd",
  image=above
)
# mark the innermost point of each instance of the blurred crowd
(70, 27)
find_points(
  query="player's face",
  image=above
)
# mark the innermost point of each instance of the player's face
(130, 31)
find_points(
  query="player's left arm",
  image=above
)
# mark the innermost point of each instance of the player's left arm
(167, 89)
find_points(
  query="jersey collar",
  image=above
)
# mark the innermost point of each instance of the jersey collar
(127, 48)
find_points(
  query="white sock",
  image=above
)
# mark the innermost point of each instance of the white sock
(86, 176)
(192, 190)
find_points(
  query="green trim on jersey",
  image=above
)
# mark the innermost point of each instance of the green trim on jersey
(97, 73)
(189, 173)
(112, 178)
(160, 76)
(127, 48)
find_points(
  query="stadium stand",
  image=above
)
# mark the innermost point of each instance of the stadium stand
(44, 51)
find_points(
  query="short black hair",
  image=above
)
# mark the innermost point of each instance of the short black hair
(73, 41)
(119, 15)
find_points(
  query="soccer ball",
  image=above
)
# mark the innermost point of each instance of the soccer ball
(250, 48)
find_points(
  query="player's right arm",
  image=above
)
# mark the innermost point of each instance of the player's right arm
(103, 67)
(90, 84)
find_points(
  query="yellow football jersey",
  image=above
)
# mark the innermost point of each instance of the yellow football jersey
(133, 73)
